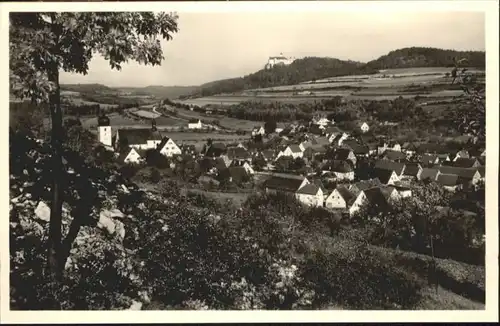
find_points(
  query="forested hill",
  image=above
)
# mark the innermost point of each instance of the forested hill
(301, 70)
(311, 68)
(426, 57)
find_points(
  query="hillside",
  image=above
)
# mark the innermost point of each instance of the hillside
(426, 57)
(301, 70)
(314, 68)
(172, 92)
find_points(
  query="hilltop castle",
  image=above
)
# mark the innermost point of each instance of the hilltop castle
(278, 60)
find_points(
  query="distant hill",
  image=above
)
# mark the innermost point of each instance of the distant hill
(171, 92)
(314, 68)
(426, 57)
(85, 88)
(301, 70)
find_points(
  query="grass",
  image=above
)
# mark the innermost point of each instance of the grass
(238, 198)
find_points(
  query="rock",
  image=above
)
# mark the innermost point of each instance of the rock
(136, 305)
(105, 222)
(68, 263)
(42, 212)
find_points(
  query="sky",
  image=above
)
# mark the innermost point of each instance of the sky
(212, 46)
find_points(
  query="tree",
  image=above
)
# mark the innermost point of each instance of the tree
(270, 126)
(43, 44)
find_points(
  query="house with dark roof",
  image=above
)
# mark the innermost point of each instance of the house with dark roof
(310, 194)
(387, 177)
(364, 185)
(244, 164)
(345, 154)
(258, 131)
(381, 196)
(467, 175)
(429, 160)
(168, 147)
(316, 129)
(287, 183)
(238, 174)
(293, 151)
(139, 138)
(215, 150)
(412, 171)
(393, 155)
(332, 131)
(344, 199)
(131, 155)
(397, 167)
(461, 154)
(268, 155)
(463, 162)
(357, 148)
(450, 182)
(429, 174)
(409, 148)
(341, 170)
(238, 154)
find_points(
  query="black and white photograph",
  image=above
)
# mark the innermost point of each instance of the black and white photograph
(308, 158)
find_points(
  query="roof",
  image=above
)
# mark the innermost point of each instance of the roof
(383, 175)
(429, 148)
(295, 148)
(216, 149)
(356, 147)
(342, 153)
(394, 155)
(412, 169)
(390, 165)
(367, 184)
(409, 146)
(428, 158)
(238, 173)
(448, 179)
(139, 136)
(463, 153)
(463, 162)
(194, 120)
(429, 173)
(268, 153)
(279, 58)
(103, 121)
(341, 166)
(332, 130)
(284, 183)
(481, 170)
(309, 189)
(376, 196)
(220, 163)
(238, 153)
(348, 196)
(163, 142)
(461, 172)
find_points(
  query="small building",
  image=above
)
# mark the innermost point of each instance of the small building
(345, 154)
(463, 162)
(364, 127)
(343, 198)
(130, 156)
(461, 154)
(364, 185)
(342, 170)
(387, 177)
(396, 156)
(238, 154)
(450, 182)
(429, 174)
(285, 183)
(412, 171)
(168, 147)
(310, 194)
(238, 174)
(467, 175)
(195, 124)
(258, 131)
(215, 150)
(140, 138)
(429, 159)
(359, 150)
(397, 167)
(294, 151)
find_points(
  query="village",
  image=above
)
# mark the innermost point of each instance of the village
(317, 163)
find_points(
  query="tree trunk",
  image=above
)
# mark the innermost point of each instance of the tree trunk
(54, 258)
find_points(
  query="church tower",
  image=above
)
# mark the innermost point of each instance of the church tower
(104, 130)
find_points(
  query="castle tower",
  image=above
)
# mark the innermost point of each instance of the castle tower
(104, 130)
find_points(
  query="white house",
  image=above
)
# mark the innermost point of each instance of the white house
(294, 151)
(461, 154)
(322, 122)
(364, 127)
(310, 195)
(194, 124)
(287, 183)
(342, 198)
(169, 148)
(258, 131)
(130, 156)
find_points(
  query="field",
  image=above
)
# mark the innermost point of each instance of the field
(388, 84)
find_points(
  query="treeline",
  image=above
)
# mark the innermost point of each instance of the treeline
(313, 68)
(301, 70)
(414, 57)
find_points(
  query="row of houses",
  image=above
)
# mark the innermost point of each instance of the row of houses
(348, 199)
